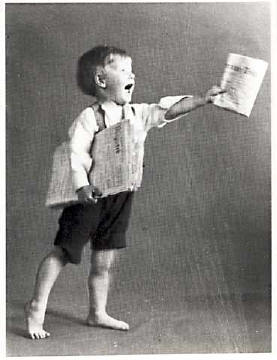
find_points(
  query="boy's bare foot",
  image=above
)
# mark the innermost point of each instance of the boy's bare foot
(104, 320)
(34, 321)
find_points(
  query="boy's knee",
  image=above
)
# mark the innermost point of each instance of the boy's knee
(101, 262)
(97, 269)
(100, 268)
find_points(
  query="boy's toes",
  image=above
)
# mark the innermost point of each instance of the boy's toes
(39, 335)
(44, 334)
(124, 326)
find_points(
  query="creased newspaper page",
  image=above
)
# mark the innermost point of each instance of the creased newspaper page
(109, 170)
(242, 78)
(115, 166)
(61, 191)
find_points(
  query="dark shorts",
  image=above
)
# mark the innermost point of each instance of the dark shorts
(104, 224)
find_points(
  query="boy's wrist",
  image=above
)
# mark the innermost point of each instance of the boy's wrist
(200, 100)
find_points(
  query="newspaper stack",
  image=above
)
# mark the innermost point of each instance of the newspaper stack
(242, 78)
(117, 155)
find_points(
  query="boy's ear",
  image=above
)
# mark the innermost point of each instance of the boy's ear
(100, 79)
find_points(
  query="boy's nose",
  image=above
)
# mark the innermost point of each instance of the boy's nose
(132, 76)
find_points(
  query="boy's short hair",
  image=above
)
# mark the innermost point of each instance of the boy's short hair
(88, 63)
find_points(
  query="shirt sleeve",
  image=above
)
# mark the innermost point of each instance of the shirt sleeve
(152, 115)
(81, 135)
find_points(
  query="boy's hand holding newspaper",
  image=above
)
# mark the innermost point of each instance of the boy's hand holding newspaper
(88, 194)
(212, 93)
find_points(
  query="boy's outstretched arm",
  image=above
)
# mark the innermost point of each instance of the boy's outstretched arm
(186, 105)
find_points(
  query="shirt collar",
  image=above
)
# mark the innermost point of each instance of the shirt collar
(113, 112)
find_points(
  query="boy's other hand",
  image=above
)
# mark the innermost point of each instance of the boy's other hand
(213, 92)
(88, 194)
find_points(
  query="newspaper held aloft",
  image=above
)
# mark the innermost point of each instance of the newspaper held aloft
(117, 154)
(242, 79)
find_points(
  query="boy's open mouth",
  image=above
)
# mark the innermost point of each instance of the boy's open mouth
(129, 86)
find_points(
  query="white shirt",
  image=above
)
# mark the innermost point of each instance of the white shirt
(81, 132)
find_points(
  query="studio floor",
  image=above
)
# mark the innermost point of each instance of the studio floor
(206, 325)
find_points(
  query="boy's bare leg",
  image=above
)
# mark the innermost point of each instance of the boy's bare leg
(98, 285)
(47, 274)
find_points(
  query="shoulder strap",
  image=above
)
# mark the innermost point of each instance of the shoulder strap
(99, 116)
(133, 109)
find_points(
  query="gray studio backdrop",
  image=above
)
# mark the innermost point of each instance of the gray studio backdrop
(201, 221)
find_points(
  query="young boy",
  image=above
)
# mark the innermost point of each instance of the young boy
(105, 73)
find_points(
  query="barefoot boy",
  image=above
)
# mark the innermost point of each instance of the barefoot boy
(105, 73)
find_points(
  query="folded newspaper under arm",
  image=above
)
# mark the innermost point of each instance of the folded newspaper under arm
(117, 159)
(117, 154)
(242, 79)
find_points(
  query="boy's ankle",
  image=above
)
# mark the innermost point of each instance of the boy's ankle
(96, 314)
(35, 305)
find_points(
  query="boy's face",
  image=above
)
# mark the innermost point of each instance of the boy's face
(119, 80)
